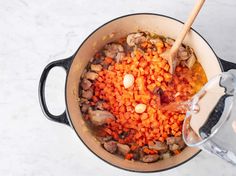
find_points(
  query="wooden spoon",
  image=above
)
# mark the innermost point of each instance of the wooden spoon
(170, 55)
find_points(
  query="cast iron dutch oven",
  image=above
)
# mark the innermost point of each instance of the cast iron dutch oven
(111, 31)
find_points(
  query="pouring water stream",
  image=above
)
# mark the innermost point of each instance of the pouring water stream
(210, 123)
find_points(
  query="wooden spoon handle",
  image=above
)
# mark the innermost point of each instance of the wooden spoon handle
(186, 26)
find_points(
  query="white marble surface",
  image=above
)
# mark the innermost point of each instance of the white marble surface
(34, 33)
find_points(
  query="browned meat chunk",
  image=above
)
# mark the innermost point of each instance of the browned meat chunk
(183, 55)
(85, 107)
(100, 117)
(173, 140)
(187, 55)
(119, 56)
(135, 39)
(107, 138)
(175, 143)
(86, 84)
(160, 146)
(150, 158)
(98, 60)
(88, 94)
(123, 149)
(104, 139)
(174, 147)
(165, 155)
(91, 75)
(115, 51)
(110, 146)
(83, 100)
(190, 62)
(96, 67)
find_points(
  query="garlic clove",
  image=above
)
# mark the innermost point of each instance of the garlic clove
(140, 108)
(128, 80)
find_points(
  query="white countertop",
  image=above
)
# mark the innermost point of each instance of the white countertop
(34, 33)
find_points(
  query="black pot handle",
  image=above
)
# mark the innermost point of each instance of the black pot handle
(65, 63)
(227, 65)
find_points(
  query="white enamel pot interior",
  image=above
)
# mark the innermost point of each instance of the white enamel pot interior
(109, 32)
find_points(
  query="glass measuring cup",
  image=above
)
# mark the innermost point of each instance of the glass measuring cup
(213, 127)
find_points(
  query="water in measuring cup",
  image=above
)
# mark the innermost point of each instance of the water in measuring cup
(211, 111)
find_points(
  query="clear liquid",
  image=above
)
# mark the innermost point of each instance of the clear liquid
(212, 87)
(190, 105)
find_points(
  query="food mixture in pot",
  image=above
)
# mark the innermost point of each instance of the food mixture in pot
(123, 90)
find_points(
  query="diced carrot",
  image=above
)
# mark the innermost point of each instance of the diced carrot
(150, 72)
(160, 78)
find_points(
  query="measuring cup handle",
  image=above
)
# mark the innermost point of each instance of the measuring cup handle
(226, 65)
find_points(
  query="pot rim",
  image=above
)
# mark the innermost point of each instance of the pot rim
(72, 59)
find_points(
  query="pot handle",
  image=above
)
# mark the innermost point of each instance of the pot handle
(227, 65)
(65, 63)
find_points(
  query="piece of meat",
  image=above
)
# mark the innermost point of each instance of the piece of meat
(88, 94)
(173, 140)
(110, 146)
(98, 117)
(178, 141)
(150, 158)
(83, 100)
(83, 73)
(135, 38)
(186, 57)
(123, 149)
(86, 84)
(191, 61)
(91, 75)
(160, 146)
(107, 138)
(96, 67)
(165, 155)
(104, 139)
(119, 56)
(98, 60)
(174, 147)
(84, 107)
(114, 50)
(183, 55)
